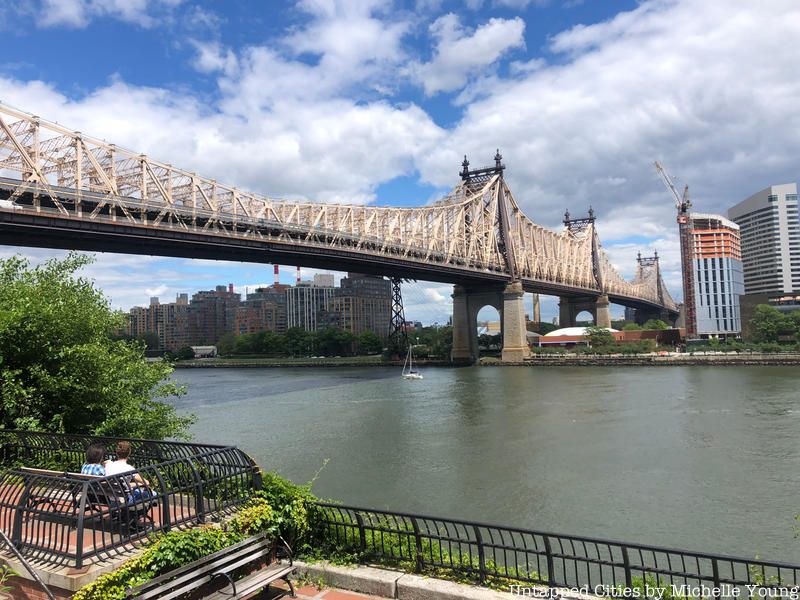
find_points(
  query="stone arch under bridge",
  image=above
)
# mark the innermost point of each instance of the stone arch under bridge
(598, 307)
(508, 301)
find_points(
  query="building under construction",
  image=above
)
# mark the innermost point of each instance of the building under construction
(711, 266)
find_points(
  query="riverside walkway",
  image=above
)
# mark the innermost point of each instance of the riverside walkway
(310, 592)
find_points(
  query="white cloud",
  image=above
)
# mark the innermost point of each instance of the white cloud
(520, 4)
(350, 40)
(460, 54)
(696, 85)
(212, 57)
(518, 67)
(79, 13)
(156, 291)
(427, 302)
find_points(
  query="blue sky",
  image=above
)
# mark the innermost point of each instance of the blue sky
(377, 101)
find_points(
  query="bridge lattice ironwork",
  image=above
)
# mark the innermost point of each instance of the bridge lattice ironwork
(478, 228)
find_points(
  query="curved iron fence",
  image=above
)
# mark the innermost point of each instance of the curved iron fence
(62, 450)
(54, 514)
(507, 556)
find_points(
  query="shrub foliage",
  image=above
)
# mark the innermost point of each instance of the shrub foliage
(61, 367)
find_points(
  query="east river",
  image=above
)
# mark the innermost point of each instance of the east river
(701, 458)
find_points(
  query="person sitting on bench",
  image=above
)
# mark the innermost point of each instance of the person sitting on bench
(94, 460)
(140, 487)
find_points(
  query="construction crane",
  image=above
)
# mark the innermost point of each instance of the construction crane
(683, 205)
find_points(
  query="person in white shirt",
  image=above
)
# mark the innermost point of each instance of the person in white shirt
(120, 466)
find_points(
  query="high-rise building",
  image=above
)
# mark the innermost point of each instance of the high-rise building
(307, 302)
(268, 304)
(324, 280)
(717, 274)
(137, 321)
(170, 322)
(254, 316)
(770, 229)
(363, 303)
(212, 314)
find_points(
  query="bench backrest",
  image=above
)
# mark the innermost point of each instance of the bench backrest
(111, 491)
(197, 573)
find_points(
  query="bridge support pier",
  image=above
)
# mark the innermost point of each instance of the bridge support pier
(515, 335)
(602, 314)
(463, 328)
(508, 301)
(598, 307)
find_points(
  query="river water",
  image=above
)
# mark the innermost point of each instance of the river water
(701, 458)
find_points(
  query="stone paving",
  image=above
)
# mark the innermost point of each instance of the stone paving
(310, 592)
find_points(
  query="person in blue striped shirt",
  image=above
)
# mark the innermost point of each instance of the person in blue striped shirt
(95, 454)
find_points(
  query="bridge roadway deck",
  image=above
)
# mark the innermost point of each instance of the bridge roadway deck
(50, 229)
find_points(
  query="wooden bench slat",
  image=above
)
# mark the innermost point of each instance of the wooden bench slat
(255, 581)
(193, 581)
(199, 572)
(192, 566)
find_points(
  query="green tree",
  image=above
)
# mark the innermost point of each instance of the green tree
(226, 344)
(442, 342)
(270, 342)
(185, 353)
(298, 341)
(544, 328)
(61, 368)
(247, 343)
(150, 340)
(598, 336)
(631, 327)
(655, 324)
(767, 323)
(369, 343)
(333, 341)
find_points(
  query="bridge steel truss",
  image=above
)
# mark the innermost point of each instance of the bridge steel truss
(477, 233)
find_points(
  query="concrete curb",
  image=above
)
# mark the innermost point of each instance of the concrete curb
(406, 586)
(395, 584)
(367, 580)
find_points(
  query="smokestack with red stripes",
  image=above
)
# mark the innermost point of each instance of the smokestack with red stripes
(298, 276)
(277, 274)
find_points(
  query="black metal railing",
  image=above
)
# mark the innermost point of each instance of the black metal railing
(60, 450)
(6, 543)
(505, 556)
(54, 514)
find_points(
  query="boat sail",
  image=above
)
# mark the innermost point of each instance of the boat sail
(408, 367)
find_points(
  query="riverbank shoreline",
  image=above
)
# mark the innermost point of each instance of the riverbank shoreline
(266, 363)
(542, 360)
(654, 360)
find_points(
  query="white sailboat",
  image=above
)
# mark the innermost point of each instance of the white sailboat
(408, 367)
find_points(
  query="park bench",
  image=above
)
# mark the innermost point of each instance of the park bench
(223, 565)
(110, 495)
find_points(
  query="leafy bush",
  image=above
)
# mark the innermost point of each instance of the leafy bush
(169, 551)
(6, 573)
(177, 548)
(280, 508)
(61, 367)
(295, 509)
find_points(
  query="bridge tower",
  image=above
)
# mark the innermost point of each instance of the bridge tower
(597, 306)
(508, 299)
(398, 335)
(662, 314)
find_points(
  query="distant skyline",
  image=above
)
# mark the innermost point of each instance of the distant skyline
(377, 101)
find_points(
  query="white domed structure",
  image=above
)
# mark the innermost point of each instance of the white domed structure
(574, 331)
